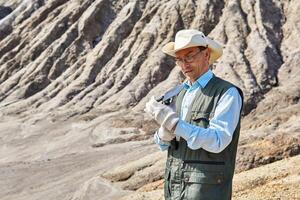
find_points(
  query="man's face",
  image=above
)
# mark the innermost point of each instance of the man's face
(193, 62)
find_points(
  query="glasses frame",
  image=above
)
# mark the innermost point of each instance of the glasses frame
(189, 58)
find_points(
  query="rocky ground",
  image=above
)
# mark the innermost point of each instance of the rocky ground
(75, 76)
(279, 180)
(57, 161)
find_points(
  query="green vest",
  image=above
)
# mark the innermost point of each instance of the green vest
(199, 174)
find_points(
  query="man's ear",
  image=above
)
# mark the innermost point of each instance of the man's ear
(207, 53)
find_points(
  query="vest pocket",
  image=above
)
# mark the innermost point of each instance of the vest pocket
(200, 118)
(205, 177)
(204, 185)
(205, 166)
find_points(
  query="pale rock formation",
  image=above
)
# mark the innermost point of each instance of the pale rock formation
(75, 76)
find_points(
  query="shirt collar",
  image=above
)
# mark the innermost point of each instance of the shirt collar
(200, 82)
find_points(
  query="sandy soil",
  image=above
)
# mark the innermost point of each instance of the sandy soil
(61, 164)
(277, 181)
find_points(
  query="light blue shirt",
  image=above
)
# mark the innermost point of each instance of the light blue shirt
(221, 127)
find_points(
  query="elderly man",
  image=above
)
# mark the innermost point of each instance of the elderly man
(201, 130)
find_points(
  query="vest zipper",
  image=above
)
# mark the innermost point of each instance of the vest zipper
(205, 162)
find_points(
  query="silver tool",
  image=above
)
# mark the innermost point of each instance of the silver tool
(168, 96)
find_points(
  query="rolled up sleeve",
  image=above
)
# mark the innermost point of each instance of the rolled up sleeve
(219, 134)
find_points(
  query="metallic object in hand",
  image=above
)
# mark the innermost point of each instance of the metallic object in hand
(168, 96)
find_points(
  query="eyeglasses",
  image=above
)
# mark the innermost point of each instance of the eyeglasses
(189, 58)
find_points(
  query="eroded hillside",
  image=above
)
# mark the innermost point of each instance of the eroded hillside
(75, 76)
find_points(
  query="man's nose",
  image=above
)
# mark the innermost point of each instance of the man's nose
(185, 65)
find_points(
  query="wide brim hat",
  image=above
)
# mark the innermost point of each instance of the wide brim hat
(192, 38)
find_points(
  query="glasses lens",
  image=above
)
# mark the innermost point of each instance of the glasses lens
(189, 58)
(178, 61)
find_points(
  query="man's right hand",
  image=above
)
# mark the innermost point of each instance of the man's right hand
(163, 114)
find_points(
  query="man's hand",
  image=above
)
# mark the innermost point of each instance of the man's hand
(164, 134)
(164, 115)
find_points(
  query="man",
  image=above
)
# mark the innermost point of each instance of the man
(202, 133)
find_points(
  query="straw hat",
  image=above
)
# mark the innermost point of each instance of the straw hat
(193, 38)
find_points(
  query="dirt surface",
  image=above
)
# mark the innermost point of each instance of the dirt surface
(279, 180)
(75, 76)
(36, 165)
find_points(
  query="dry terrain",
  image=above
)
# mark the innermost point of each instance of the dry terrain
(75, 76)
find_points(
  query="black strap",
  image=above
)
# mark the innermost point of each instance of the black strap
(174, 144)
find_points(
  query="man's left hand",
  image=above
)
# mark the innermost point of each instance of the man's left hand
(164, 115)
